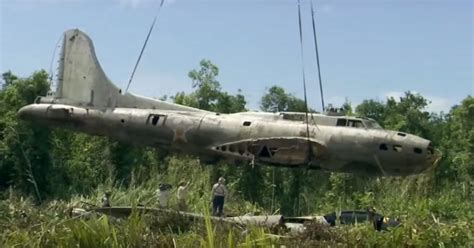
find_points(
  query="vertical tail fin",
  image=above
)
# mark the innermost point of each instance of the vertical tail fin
(80, 76)
(81, 80)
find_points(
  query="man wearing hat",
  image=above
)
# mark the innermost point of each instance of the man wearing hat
(218, 193)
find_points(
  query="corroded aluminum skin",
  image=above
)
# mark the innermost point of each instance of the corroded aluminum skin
(341, 149)
(86, 101)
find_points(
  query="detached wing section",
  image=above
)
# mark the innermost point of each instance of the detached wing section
(283, 151)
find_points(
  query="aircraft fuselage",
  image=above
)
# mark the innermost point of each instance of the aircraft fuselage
(264, 139)
(86, 100)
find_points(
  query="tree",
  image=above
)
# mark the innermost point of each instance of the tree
(458, 144)
(207, 87)
(8, 78)
(277, 100)
(208, 94)
(372, 109)
(38, 161)
(407, 115)
(347, 107)
(227, 103)
(288, 183)
(25, 152)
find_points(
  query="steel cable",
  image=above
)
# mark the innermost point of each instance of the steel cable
(144, 45)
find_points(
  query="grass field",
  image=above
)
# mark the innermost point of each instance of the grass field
(443, 219)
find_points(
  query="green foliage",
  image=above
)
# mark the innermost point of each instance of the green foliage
(8, 78)
(63, 169)
(24, 147)
(372, 109)
(48, 226)
(207, 86)
(405, 114)
(288, 185)
(457, 144)
(208, 94)
(277, 100)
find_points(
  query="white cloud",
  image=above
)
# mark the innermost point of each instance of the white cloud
(438, 104)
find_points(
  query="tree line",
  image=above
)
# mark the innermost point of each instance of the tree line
(47, 164)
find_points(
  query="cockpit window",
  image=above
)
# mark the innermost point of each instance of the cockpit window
(355, 123)
(372, 124)
(341, 122)
(358, 123)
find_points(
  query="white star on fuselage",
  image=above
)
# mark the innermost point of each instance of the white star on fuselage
(180, 130)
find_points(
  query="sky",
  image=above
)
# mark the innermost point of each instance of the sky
(369, 49)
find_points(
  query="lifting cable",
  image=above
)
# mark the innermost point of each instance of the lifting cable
(317, 58)
(310, 150)
(51, 73)
(144, 45)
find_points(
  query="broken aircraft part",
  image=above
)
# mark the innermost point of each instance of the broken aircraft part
(274, 222)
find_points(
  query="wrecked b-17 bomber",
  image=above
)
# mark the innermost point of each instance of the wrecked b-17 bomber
(87, 101)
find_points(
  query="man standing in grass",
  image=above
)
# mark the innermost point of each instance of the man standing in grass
(182, 195)
(106, 200)
(218, 193)
(163, 194)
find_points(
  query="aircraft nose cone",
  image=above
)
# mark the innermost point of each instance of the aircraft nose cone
(432, 157)
(26, 112)
(419, 153)
(23, 112)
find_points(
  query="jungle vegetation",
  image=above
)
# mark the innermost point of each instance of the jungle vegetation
(44, 172)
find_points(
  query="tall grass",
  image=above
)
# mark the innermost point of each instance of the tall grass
(430, 218)
(209, 229)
